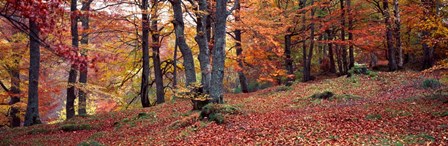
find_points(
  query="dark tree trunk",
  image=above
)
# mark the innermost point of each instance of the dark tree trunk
(390, 47)
(288, 59)
(339, 60)
(330, 52)
(175, 66)
(428, 51)
(179, 27)
(32, 109)
(71, 95)
(304, 54)
(307, 69)
(156, 54)
(239, 51)
(350, 34)
(82, 100)
(202, 40)
(14, 71)
(144, 91)
(398, 34)
(216, 91)
(342, 47)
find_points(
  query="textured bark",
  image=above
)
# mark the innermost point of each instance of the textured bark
(307, 68)
(339, 60)
(202, 40)
(342, 47)
(216, 91)
(156, 54)
(428, 52)
(288, 59)
(390, 47)
(304, 56)
(175, 66)
(71, 95)
(350, 34)
(82, 100)
(239, 52)
(179, 27)
(32, 109)
(330, 52)
(144, 87)
(398, 34)
(14, 72)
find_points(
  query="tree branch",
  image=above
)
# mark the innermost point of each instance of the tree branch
(4, 87)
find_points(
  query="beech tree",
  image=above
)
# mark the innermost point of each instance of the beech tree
(144, 91)
(72, 76)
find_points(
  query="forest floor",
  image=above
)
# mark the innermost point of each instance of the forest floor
(387, 109)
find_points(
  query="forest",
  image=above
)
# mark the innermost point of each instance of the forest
(223, 72)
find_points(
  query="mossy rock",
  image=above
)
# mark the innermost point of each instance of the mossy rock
(75, 127)
(323, 95)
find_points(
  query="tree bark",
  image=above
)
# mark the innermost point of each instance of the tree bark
(144, 88)
(350, 34)
(288, 59)
(307, 69)
(428, 51)
(342, 46)
(239, 51)
(330, 52)
(390, 47)
(175, 66)
(304, 54)
(202, 40)
(15, 90)
(398, 34)
(71, 95)
(32, 109)
(179, 27)
(82, 100)
(216, 91)
(156, 54)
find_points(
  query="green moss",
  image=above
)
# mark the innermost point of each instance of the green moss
(75, 127)
(431, 84)
(373, 117)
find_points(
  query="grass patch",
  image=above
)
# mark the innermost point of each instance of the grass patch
(75, 127)
(440, 114)
(283, 88)
(39, 131)
(323, 95)
(431, 84)
(151, 116)
(418, 139)
(90, 143)
(346, 97)
(373, 117)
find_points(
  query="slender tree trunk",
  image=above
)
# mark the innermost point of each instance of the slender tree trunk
(304, 54)
(339, 59)
(288, 59)
(32, 109)
(71, 95)
(342, 47)
(330, 52)
(239, 51)
(156, 54)
(307, 75)
(175, 66)
(216, 91)
(428, 52)
(82, 100)
(144, 91)
(390, 47)
(202, 40)
(179, 27)
(350, 34)
(14, 71)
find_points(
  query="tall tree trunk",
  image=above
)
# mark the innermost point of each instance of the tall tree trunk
(390, 47)
(156, 54)
(219, 56)
(202, 40)
(307, 69)
(350, 34)
(179, 27)
(175, 66)
(144, 88)
(304, 54)
(330, 52)
(32, 109)
(239, 51)
(14, 71)
(82, 100)
(428, 51)
(339, 60)
(71, 95)
(342, 47)
(288, 59)
(398, 34)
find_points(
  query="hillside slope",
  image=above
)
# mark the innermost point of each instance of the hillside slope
(391, 108)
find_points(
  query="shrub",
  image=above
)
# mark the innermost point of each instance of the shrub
(74, 127)
(431, 83)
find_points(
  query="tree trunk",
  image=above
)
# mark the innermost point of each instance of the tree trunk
(239, 51)
(216, 91)
(350, 34)
(390, 47)
(32, 109)
(179, 27)
(339, 60)
(428, 51)
(342, 47)
(156, 54)
(175, 66)
(144, 91)
(398, 34)
(14, 71)
(330, 52)
(288, 59)
(202, 40)
(71, 95)
(82, 100)
(307, 70)
(304, 54)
